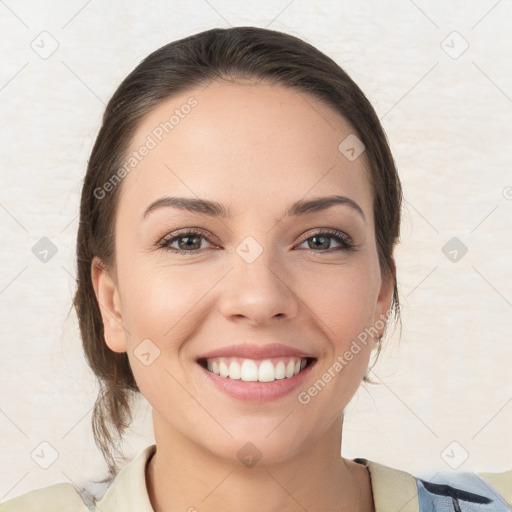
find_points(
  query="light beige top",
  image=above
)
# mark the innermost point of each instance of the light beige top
(393, 491)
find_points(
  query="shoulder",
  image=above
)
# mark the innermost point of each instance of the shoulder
(61, 497)
(394, 489)
(127, 492)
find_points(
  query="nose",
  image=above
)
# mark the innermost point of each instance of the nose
(258, 292)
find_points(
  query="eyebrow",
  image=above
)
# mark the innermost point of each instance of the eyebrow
(215, 209)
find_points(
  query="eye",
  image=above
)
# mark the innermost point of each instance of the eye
(187, 241)
(322, 240)
(190, 241)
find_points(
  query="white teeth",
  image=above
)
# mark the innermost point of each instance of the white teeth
(266, 373)
(234, 370)
(280, 372)
(249, 371)
(223, 369)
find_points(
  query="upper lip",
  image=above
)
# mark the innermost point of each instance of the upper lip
(250, 351)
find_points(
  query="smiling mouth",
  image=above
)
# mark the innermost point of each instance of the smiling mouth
(252, 370)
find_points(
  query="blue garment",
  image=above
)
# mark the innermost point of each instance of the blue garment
(459, 492)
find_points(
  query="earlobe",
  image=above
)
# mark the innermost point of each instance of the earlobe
(107, 295)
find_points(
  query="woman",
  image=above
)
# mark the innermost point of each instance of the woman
(235, 266)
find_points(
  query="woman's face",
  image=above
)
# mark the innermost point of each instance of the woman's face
(264, 283)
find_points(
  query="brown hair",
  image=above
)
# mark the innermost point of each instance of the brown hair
(240, 52)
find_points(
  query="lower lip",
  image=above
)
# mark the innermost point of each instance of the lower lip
(257, 391)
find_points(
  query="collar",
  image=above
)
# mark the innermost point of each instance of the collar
(392, 489)
(128, 491)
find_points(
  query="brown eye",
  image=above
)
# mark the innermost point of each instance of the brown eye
(187, 241)
(322, 240)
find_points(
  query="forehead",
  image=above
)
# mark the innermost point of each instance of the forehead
(246, 140)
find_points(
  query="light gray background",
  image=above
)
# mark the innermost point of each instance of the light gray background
(445, 401)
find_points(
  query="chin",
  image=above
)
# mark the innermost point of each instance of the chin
(255, 449)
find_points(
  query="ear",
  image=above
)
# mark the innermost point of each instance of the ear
(385, 299)
(109, 301)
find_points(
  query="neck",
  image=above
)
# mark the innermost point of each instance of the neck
(181, 476)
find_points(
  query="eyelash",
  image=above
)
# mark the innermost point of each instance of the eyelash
(345, 243)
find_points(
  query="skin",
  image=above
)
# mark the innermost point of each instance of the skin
(255, 148)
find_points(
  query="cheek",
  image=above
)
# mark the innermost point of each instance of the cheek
(157, 301)
(344, 301)
(160, 311)
(163, 308)
(344, 297)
